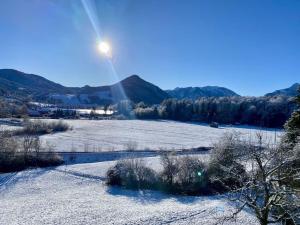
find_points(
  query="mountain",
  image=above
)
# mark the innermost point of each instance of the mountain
(291, 91)
(20, 83)
(16, 83)
(139, 90)
(197, 92)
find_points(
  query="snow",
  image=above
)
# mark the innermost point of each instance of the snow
(111, 135)
(76, 194)
(97, 111)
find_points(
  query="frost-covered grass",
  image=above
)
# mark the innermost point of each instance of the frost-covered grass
(77, 195)
(108, 135)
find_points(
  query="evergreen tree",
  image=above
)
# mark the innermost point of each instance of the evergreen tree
(292, 126)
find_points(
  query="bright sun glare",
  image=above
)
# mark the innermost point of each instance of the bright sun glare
(104, 48)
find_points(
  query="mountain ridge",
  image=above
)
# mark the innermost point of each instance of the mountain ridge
(197, 92)
(135, 88)
(290, 91)
(17, 83)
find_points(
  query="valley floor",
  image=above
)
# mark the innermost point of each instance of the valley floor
(111, 135)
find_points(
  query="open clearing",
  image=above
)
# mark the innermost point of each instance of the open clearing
(76, 194)
(110, 135)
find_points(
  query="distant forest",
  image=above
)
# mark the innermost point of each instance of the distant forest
(270, 111)
(267, 111)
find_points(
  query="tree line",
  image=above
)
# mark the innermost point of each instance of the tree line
(258, 111)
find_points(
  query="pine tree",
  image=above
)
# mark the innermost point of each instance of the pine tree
(292, 126)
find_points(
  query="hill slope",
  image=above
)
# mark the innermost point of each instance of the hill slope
(291, 91)
(197, 92)
(20, 83)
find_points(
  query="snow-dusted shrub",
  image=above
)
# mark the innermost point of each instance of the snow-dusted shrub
(223, 162)
(180, 175)
(170, 169)
(8, 148)
(132, 173)
(38, 127)
(192, 176)
(184, 175)
(20, 153)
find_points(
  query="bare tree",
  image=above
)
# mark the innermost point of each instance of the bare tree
(269, 186)
(168, 161)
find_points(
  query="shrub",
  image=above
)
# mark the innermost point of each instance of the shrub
(21, 153)
(223, 163)
(38, 127)
(184, 175)
(170, 168)
(180, 175)
(191, 177)
(132, 173)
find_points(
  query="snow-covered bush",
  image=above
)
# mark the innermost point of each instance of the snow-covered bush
(132, 173)
(180, 175)
(184, 175)
(223, 162)
(191, 177)
(18, 153)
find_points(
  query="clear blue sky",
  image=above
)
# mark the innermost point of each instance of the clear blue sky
(249, 46)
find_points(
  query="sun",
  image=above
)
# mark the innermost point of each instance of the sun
(104, 48)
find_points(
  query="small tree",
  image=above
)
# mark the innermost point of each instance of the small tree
(169, 161)
(267, 186)
(292, 126)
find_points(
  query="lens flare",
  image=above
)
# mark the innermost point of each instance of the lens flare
(104, 48)
(90, 7)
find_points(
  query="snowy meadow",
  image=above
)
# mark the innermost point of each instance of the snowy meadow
(76, 193)
(111, 135)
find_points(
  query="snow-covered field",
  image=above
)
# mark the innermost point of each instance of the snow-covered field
(110, 135)
(77, 195)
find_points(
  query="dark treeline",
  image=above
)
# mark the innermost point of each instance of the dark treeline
(258, 111)
(12, 108)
